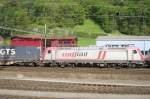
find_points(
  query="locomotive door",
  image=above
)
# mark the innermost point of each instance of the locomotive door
(134, 55)
(53, 55)
(48, 55)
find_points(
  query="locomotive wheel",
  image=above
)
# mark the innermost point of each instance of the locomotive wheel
(41, 65)
(51, 65)
(72, 65)
(133, 65)
(62, 65)
(32, 64)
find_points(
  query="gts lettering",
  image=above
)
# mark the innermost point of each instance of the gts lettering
(7, 51)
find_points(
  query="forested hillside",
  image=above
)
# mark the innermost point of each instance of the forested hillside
(130, 17)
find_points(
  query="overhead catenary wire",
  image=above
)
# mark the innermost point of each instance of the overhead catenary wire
(15, 29)
(103, 16)
(100, 16)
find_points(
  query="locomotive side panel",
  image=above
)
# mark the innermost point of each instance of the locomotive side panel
(99, 56)
(115, 55)
(76, 54)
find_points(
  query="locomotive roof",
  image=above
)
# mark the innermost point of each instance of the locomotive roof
(123, 38)
(90, 48)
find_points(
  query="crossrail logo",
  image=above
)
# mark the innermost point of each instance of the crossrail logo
(101, 55)
(7, 51)
(74, 54)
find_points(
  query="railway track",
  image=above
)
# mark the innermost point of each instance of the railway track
(72, 87)
(22, 94)
(79, 73)
(76, 70)
(76, 73)
(22, 97)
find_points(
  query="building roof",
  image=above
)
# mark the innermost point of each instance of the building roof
(123, 38)
(41, 37)
(29, 36)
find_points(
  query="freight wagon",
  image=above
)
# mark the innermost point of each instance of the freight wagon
(19, 55)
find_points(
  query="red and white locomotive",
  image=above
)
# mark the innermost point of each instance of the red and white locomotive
(99, 56)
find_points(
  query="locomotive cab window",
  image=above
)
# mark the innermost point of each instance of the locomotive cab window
(142, 52)
(49, 51)
(134, 52)
(146, 52)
